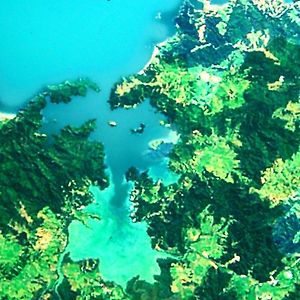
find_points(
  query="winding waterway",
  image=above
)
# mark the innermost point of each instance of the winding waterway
(46, 42)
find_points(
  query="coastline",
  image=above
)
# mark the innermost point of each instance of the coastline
(6, 116)
(153, 56)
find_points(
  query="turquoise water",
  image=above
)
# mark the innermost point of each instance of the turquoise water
(123, 247)
(48, 41)
(45, 42)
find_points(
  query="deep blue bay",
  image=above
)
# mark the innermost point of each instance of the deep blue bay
(46, 42)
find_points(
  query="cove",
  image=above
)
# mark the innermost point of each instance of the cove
(45, 42)
(123, 247)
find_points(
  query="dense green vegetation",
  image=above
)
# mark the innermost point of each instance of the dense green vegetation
(228, 82)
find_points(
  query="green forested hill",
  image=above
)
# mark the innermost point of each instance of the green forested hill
(228, 82)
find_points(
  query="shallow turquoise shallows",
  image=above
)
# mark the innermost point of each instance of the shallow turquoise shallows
(46, 42)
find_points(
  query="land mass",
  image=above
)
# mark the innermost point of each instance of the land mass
(228, 82)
